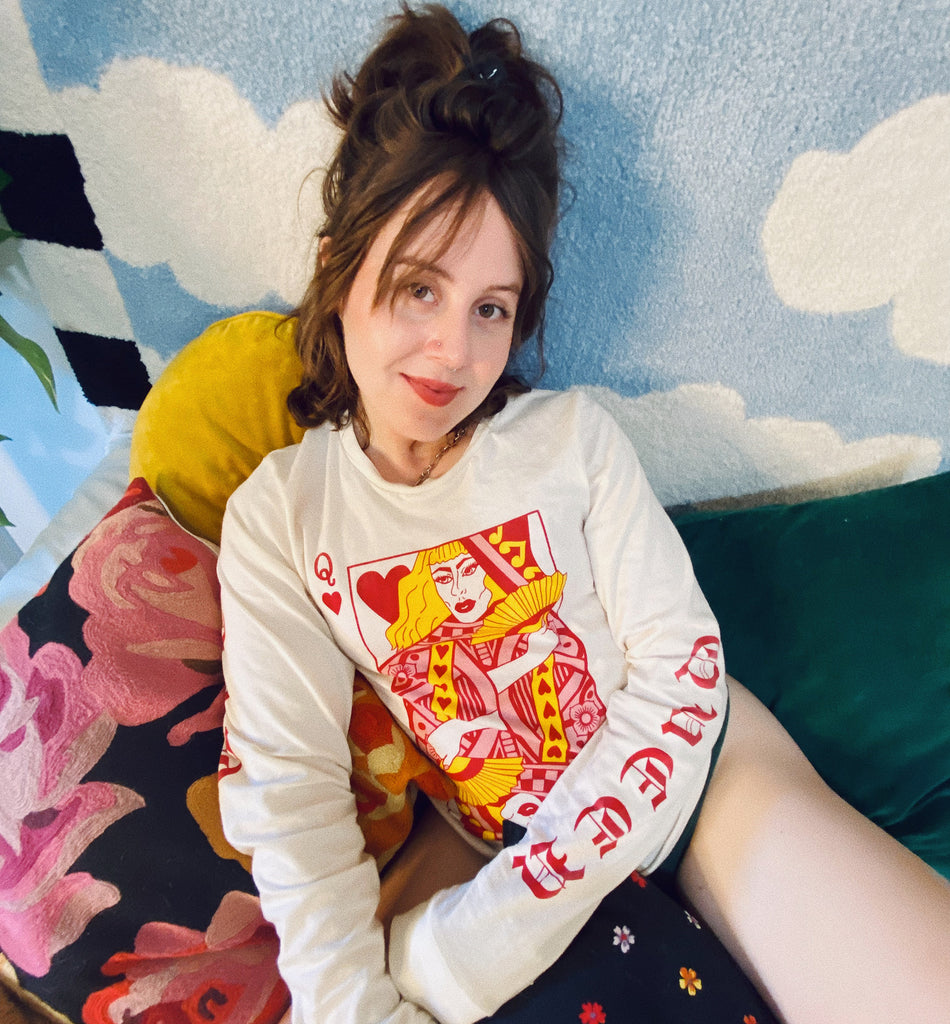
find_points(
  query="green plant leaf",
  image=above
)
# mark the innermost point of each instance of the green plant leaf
(6, 233)
(34, 355)
(3, 516)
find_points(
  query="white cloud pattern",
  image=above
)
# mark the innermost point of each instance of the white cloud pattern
(852, 231)
(180, 169)
(25, 102)
(698, 446)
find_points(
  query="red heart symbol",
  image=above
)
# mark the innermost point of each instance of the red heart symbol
(544, 687)
(549, 711)
(332, 601)
(553, 753)
(444, 702)
(439, 670)
(178, 560)
(555, 735)
(442, 650)
(382, 594)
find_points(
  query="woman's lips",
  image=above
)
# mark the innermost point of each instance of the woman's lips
(432, 392)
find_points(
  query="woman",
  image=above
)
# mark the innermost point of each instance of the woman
(440, 207)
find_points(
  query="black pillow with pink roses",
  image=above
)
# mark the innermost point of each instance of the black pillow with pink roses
(119, 898)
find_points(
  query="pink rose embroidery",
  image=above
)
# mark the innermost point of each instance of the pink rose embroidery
(51, 733)
(154, 636)
(229, 973)
(154, 626)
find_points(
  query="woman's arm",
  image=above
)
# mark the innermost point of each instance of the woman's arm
(285, 776)
(624, 801)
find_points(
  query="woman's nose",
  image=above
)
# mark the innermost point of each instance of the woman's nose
(449, 341)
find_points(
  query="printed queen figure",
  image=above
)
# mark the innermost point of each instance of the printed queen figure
(495, 685)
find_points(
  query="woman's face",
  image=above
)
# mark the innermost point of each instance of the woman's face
(461, 584)
(427, 360)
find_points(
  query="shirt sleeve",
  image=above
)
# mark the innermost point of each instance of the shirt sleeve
(285, 774)
(624, 801)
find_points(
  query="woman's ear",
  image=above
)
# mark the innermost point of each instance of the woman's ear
(323, 249)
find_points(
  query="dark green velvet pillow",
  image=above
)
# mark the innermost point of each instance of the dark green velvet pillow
(836, 613)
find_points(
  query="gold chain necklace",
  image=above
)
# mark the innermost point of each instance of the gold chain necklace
(456, 437)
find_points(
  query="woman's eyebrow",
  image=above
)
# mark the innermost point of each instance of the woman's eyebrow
(411, 263)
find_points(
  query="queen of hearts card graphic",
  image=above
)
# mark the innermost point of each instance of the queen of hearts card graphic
(494, 683)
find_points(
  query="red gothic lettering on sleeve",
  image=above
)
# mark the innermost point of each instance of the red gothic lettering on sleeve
(543, 872)
(688, 723)
(228, 763)
(655, 773)
(611, 819)
(701, 667)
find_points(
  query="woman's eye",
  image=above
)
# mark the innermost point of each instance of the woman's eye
(422, 292)
(491, 311)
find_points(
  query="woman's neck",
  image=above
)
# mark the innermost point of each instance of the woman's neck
(414, 462)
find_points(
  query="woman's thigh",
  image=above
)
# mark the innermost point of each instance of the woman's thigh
(831, 918)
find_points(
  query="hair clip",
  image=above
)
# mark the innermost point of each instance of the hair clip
(488, 69)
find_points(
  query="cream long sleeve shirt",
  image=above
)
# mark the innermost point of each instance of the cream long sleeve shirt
(532, 619)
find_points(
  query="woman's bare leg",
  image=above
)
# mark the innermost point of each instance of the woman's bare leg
(832, 919)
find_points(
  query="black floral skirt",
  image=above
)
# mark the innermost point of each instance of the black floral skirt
(640, 958)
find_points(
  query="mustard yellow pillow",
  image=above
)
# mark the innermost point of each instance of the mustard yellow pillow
(216, 411)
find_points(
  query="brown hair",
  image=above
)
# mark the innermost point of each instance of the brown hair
(449, 118)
